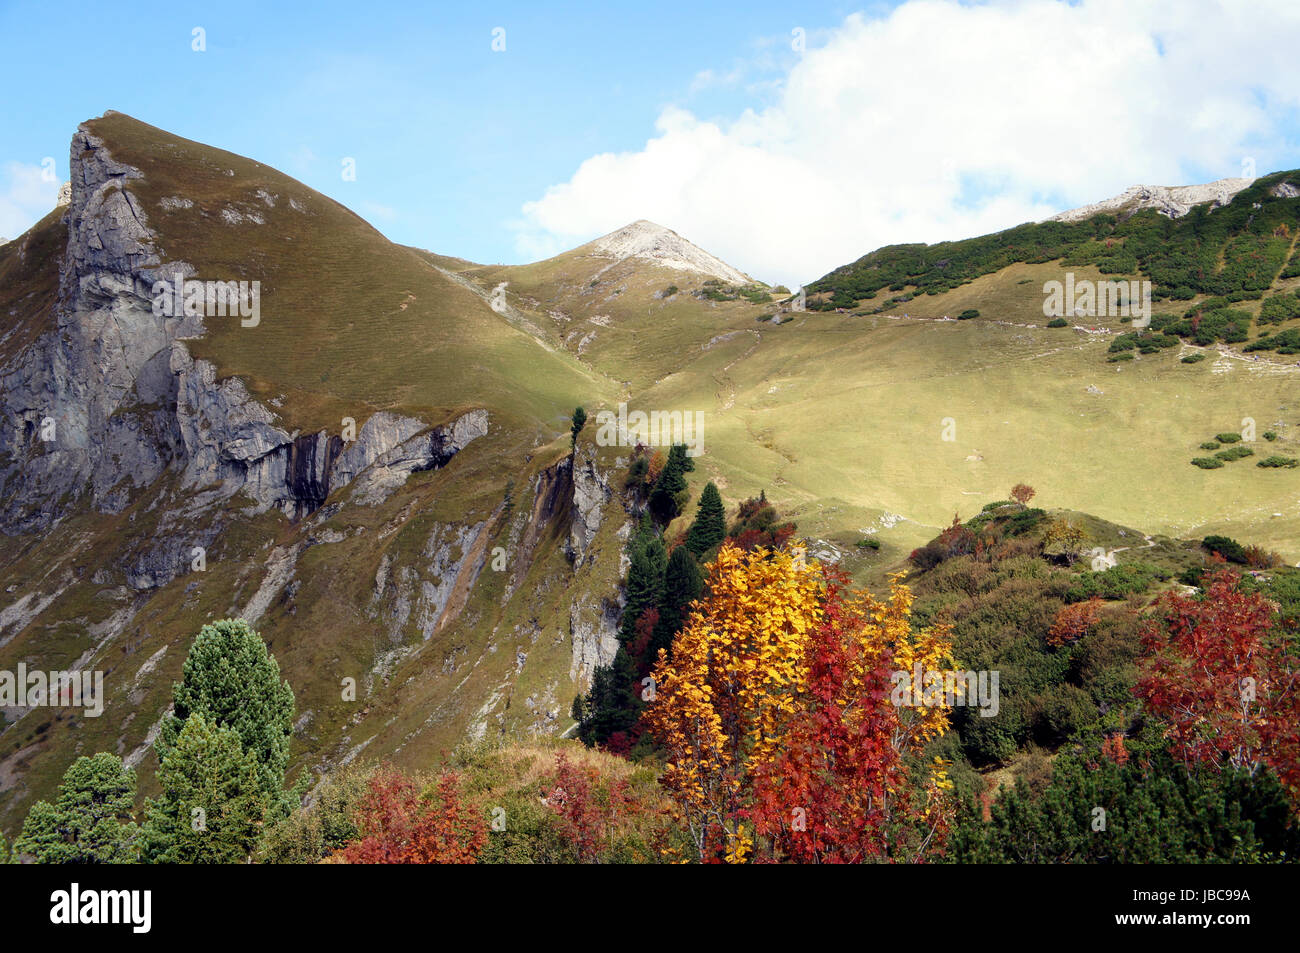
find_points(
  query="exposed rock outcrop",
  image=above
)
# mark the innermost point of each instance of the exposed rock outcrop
(1171, 201)
(591, 493)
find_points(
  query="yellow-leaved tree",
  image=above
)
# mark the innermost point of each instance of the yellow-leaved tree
(775, 709)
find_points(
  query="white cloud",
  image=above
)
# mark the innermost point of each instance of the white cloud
(940, 120)
(27, 193)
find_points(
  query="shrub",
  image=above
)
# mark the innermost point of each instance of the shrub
(1226, 547)
(1058, 323)
(1278, 461)
(1210, 445)
(1117, 582)
(1073, 622)
(1207, 463)
(1229, 437)
(1235, 453)
(1279, 308)
(1194, 358)
(968, 314)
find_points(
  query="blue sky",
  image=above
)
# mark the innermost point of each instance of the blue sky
(890, 122)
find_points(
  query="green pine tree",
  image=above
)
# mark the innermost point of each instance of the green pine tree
(230, 677)
(610, 706)
(670, 494)
(645, 580)
(683, 583)
(578, 422)
(89, 821)
(212, 804)
(710, 526)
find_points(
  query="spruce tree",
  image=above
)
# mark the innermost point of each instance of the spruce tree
(578, 421)
(683, 583)
(710, 526)
(645, 581)
(670, 493)
(611, 705)
(212, 804)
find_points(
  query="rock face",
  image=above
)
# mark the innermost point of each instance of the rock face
(662, 246)
(1171, 201)
(85, 406)
(111, 399)
(591, 493)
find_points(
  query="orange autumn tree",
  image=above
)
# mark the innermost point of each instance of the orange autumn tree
(775, 712)
(1073, 622)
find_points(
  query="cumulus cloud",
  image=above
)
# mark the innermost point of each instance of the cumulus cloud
(27, 193)
(940, 120)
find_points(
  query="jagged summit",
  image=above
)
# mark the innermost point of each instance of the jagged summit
(1172, 201)
(662, 246)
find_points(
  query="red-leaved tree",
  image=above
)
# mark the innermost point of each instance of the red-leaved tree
(1224, 681)
(839, 790)
(586, 810)
(398, 826)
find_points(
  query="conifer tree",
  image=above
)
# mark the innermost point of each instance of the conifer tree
(90, 820)
(645, 580)
(670, 493)
(710, 526)
(230, 677)
(683, 583)
(212, 804)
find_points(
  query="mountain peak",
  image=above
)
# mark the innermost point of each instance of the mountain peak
(661, 246)
(1172, 201)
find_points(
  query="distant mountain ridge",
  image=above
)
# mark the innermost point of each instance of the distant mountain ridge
(1172, 201)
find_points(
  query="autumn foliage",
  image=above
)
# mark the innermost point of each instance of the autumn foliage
(1074, 621)
(775, 713)
(1224, 681)
(587, 810)
(399, 826)
(1023, 493)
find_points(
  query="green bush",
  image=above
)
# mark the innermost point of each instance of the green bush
(1058, 323)
(968, 314)
(1210, 445)
(1279, 308)
(1228, 437)
(1117, 582)
(1207, 463)
(1234, 453)
(1194, 358)
(1278, 461)
(1227, 547)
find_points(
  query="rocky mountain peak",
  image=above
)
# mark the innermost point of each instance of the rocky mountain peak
(661, 246)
